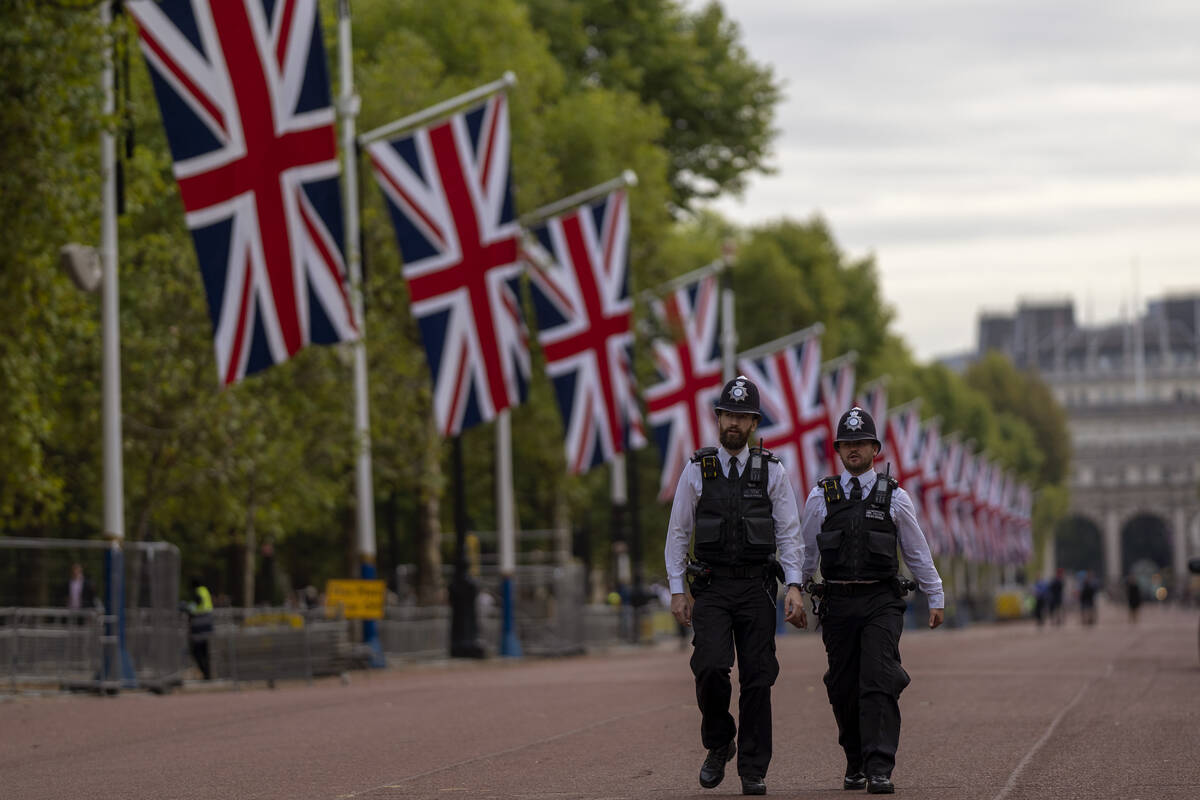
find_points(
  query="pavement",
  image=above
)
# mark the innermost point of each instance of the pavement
(1000, 712)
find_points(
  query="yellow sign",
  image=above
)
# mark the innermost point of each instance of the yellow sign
(354, 599)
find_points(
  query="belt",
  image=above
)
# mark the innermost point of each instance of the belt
(857, 588)
(743, 571)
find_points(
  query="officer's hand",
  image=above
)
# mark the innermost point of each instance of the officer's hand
(681, 608)
(793, 608)
(936, 617)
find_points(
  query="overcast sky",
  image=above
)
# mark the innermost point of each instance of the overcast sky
(987, 152)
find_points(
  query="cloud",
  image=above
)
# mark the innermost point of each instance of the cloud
(1053, 140)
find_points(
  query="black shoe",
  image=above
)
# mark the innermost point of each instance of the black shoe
(854, 780)
(880, 784)
(712, 772)
(752, 784)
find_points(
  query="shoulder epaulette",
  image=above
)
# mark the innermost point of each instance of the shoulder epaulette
(710, 467)
(832, 488)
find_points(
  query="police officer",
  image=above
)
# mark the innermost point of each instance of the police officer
(853, 523)
(741, 506)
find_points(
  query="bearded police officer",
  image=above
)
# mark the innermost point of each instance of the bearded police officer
(742, 508)
(853, 523)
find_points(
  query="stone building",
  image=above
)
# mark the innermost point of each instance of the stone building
(1131, 391)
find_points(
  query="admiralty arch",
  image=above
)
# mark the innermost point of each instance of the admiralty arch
(1131, 391)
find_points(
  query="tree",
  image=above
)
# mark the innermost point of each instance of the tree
(1026, 397)
(719, 104)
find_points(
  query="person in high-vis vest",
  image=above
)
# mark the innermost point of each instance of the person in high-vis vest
(854, 523)
(739, 502)
(200, 625)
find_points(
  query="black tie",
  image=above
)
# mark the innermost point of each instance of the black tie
(733, 473)
(855, 490)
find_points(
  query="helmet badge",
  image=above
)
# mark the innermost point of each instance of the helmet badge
(854, 421)
(737, 392)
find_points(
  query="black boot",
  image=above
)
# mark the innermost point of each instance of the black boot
(712, 772)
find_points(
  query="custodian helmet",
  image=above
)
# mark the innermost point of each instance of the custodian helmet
(856, 425)
(740, 395)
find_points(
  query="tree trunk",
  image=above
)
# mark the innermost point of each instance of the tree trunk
(250, 545)
(430, 590)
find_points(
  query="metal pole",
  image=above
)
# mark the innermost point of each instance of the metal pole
(114, 488)
(510, 644)
(728, 328)
(626, 178)
(114, 509)
(444, 108)
(348, 105)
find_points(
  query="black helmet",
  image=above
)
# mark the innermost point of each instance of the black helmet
(856, 425)
(740, 395)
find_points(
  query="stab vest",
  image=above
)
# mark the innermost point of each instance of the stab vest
(734, 525)
(858, 538)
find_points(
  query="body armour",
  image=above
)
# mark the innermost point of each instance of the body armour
(858, 538)
(734, 525)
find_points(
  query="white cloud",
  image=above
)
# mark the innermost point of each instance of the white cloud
(987, 151)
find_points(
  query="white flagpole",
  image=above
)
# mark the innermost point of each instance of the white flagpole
(442, 109)
(348, 105)
(510, 643)
(775, 345)
(728, 329)
(116, 661)
(626, 178)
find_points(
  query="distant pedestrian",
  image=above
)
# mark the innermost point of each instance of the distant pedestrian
(1133, 596)
(80, 594)
(1087, 599)
(1056, 597)
(739, 503)
(200, 625)
(1041, 600)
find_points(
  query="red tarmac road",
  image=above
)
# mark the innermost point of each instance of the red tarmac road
(995, 712)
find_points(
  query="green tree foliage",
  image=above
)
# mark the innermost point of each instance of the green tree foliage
(691, 65)
(1026, 397)
(49, 331)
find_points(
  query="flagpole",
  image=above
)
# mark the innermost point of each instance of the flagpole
(700, 273)
(348, 105)
(442, 109)
(728, 329)
(114, 481)
(510, 644)
(783, 341)
(626, 178)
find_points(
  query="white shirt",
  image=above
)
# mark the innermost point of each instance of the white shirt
(683, 516)
(913, 546)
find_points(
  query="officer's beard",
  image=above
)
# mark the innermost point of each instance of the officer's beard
(733, 440)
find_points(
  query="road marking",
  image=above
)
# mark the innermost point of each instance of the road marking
(397, 783)
(1016, 773)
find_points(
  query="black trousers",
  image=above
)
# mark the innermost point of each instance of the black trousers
(736, 614)
(200, 653)
(861, 629)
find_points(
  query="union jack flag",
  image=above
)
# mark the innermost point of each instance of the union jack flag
(583, 308)
(245, 101)
(872, 398)
(448, 188)
(679, 408)
(973, 544)
(950, 467)
(837, 396)
(902, 445)
(794, 425)
(930, 501)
